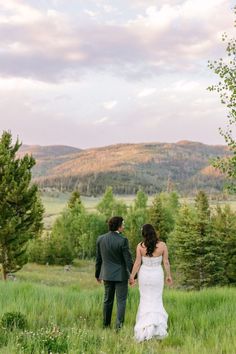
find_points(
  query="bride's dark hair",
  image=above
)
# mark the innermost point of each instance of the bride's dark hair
(150, 238)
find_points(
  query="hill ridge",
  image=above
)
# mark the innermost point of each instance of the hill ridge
(129, 166)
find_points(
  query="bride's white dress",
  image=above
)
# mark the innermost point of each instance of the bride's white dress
(151, 319)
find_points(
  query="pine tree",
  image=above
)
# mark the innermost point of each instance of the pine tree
(195, 248)
(74, 198)
(74, 235)
(110, 206)
(224, 226)
(160, 218)
(136, 217)
(184, 248)
(93, 226)
(68, 227)
(21, 210)
(173, 203)
(141, 199)
(210, 265)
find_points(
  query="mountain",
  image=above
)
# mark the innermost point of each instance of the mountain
(184, 166)
(48, 157)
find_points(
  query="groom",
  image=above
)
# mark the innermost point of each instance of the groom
(113, 266)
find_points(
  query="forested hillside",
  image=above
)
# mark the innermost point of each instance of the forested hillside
(184, 166)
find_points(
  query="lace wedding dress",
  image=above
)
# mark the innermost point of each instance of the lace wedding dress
(151, 320)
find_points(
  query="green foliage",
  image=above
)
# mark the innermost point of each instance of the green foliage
(73, 235)
(202, 204)
(161, 217)
(197, 251)
(3, 337)
(195, 246)
(74, 199)
(224, 227)
(13, 320)
(211, 267)
(173, 203)
(21, 210)
(133, 223)
(184, 248)
(226, 87)
(141, 199)
(136, 217)
(110, 206)
(93, 226)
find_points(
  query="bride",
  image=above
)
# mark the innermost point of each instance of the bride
(151, 319)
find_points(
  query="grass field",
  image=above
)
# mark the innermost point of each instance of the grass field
(54, 203)
(64, 309)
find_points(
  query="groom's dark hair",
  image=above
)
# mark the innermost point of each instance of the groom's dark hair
(115, 222)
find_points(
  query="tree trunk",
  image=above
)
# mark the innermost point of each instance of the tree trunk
(4, 273)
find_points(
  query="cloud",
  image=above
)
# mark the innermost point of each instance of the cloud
(147, 92)
(108, 8)
(90, 13)
(51, 46)
(101, 120)
(16, 12)
(154, 2)
(109, 105)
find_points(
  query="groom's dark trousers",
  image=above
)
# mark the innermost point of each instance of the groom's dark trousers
(113, 265)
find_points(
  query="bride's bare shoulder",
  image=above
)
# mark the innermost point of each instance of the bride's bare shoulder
(161, 244)
(141, 245)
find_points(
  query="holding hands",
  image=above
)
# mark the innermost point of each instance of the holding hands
(169, 280)
(132, 281)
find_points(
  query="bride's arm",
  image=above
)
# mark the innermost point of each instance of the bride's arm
(166, 264)
(137, 265)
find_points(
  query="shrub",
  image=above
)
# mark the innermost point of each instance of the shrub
(3, 338)
(13, 320)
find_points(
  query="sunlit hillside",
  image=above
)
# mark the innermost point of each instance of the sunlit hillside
(184, 166)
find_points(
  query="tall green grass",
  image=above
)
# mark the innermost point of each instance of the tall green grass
(199, 322)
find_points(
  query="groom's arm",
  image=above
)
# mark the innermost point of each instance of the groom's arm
(98, 260)
(127, 256)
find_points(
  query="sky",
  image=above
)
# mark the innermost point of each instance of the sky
(90, 73)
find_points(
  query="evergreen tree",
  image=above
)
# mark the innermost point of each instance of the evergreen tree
(141, 199)
(202, 205)
(211, 269)
(161, 218)
(184, 248)
(196, 248)
(110, 206)
(68, 228)
(136, 217)
(74, 199)
(224, 227)
(74, 235)
(94, 225)
(173, 203)
(21, 210)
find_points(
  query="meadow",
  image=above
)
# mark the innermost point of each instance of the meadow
(55, 202)
(64, 315)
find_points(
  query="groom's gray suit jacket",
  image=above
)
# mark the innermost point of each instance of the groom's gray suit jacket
(113, 257)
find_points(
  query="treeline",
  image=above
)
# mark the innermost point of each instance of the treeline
(201, 240)
(128, 183)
